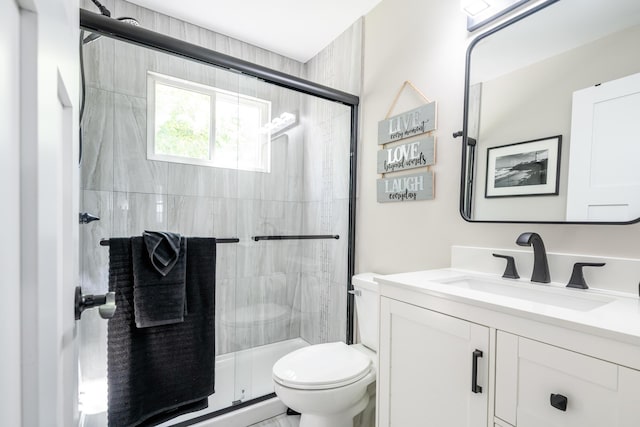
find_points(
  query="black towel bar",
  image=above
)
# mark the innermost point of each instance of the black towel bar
(230, 240)
(105, 242)
(305, 237)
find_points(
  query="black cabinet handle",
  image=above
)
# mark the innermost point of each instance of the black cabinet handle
(558, 401)
(474, 372)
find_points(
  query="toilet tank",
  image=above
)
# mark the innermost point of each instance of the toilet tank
(367, 308)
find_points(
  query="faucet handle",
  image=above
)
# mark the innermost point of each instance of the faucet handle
(510, 271)
(577, 276)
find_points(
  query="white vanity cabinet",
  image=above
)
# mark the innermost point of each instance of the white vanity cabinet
(426, 368)
(542, 385)
(587, 357)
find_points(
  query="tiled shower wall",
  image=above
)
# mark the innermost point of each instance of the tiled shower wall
(326, 188)
(265, 291)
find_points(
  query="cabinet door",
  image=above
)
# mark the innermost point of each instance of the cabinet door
(425, 371)
(588, 392)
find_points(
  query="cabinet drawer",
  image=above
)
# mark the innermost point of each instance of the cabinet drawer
(588, 385)
(587, 391)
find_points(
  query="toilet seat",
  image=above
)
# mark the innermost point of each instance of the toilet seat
(321, 366)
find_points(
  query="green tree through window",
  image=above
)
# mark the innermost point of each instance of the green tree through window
(183, 123)
(203, 125)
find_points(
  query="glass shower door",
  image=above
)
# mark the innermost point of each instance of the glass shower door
(277, 165)
(266, 310)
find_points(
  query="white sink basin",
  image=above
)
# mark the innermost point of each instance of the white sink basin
(542, 294)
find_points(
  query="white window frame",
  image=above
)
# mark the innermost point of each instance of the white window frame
(263, 105)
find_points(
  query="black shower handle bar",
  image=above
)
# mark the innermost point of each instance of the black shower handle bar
(297, 237)
(105, 242)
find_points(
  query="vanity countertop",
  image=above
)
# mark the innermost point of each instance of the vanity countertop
(608, 314)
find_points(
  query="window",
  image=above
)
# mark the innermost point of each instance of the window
(202, 125)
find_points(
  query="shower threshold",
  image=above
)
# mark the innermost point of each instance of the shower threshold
(243, 375)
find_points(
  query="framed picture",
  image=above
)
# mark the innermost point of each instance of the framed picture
(529, 168)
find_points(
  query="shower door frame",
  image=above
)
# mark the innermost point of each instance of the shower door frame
(150, 39)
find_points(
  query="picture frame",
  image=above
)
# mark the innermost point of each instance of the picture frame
(529, 168)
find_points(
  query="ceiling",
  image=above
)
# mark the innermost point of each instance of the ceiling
(298, 29)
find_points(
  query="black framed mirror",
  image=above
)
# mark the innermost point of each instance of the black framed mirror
(551, 116)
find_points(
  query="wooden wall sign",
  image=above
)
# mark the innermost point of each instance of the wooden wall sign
(406, 188)
(407, 156)
(411, 123)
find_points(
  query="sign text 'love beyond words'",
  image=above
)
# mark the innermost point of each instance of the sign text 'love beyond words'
(407, 156)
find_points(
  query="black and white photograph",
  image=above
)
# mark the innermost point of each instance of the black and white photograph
(527, 168)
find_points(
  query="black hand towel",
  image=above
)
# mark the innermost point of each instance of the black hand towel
(157, 373)
(158, 299)
(163, 248)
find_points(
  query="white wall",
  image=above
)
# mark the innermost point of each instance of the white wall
(10, 385)
(425, 41)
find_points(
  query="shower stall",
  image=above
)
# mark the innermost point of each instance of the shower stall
(178, 137)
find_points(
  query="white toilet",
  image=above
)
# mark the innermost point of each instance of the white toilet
(327, 383)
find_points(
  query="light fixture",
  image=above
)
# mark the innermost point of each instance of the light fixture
(473, 7)
(481, 12)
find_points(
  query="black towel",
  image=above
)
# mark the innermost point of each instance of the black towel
(163, 248)
(158, 299)
(158, 373)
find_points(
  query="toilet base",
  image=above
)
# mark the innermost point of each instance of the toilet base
(341, 419)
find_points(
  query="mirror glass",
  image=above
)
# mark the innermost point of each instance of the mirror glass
(552, 116)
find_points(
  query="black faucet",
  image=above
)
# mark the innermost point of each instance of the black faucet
(540, 265)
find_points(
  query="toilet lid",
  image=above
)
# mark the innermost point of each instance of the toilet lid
(321, 366)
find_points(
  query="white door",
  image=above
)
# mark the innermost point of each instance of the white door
(425, 371)
(48, 227)
(10, 414)
(604, 177)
